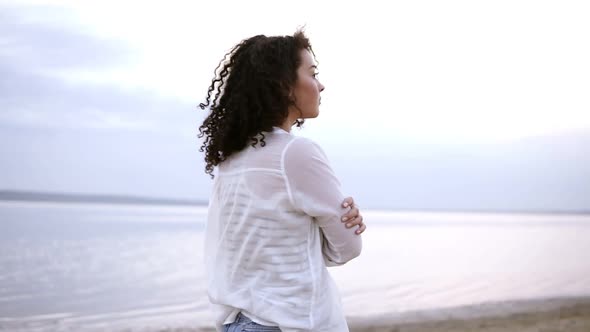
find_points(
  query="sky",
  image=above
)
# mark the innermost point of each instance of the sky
(428, 104)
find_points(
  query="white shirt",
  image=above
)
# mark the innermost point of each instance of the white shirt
(273, 226)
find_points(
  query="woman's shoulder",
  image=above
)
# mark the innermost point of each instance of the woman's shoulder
(303, 148)
(302, 142)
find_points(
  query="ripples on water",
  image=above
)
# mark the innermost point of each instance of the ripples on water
(67, 266)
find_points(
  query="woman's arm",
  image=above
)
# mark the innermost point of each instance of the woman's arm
(315, 190)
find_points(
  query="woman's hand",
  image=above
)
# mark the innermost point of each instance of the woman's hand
(353, 216)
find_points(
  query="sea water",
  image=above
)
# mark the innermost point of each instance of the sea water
(91, 266)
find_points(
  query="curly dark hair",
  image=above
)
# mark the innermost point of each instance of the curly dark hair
(250, 93)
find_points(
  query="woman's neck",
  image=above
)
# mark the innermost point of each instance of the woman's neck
(288, 123)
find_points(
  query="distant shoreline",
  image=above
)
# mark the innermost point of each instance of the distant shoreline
(29, 196)
(33, 196)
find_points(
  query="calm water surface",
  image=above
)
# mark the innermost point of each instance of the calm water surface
(72, 266)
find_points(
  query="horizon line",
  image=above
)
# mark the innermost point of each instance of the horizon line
(71, 197)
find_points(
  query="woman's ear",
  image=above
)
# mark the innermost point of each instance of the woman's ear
(291, 95)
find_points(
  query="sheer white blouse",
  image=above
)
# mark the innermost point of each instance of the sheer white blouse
(273, 226)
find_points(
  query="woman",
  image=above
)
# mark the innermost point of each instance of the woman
(274, 220)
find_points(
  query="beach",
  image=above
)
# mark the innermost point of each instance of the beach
(571, 315)
(551, 315)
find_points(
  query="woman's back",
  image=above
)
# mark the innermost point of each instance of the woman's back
(264, 251)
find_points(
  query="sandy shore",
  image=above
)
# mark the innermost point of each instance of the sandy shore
(567, 315)
(571, 319)
(571, 315)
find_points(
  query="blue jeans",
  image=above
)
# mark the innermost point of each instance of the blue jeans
(244, 324)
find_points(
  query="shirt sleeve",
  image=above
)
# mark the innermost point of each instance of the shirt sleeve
(315, 190)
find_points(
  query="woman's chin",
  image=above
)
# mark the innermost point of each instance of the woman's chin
(311, 115)
(316, 113)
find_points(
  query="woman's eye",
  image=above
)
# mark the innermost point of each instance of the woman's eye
(315, 75)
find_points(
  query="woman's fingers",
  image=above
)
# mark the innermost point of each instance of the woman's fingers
(361, 229)
(358, 221)
(348, 201)
(351, 214)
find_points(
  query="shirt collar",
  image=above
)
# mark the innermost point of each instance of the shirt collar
(279, 130)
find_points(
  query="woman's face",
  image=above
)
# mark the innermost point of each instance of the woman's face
(307, 88)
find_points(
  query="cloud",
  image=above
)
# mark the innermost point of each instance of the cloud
(78, 136)
(31, 42)
(33, 50)
(29, 99)
(102, 161)
(542, 173)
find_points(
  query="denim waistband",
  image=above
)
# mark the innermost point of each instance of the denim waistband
(240, 318)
